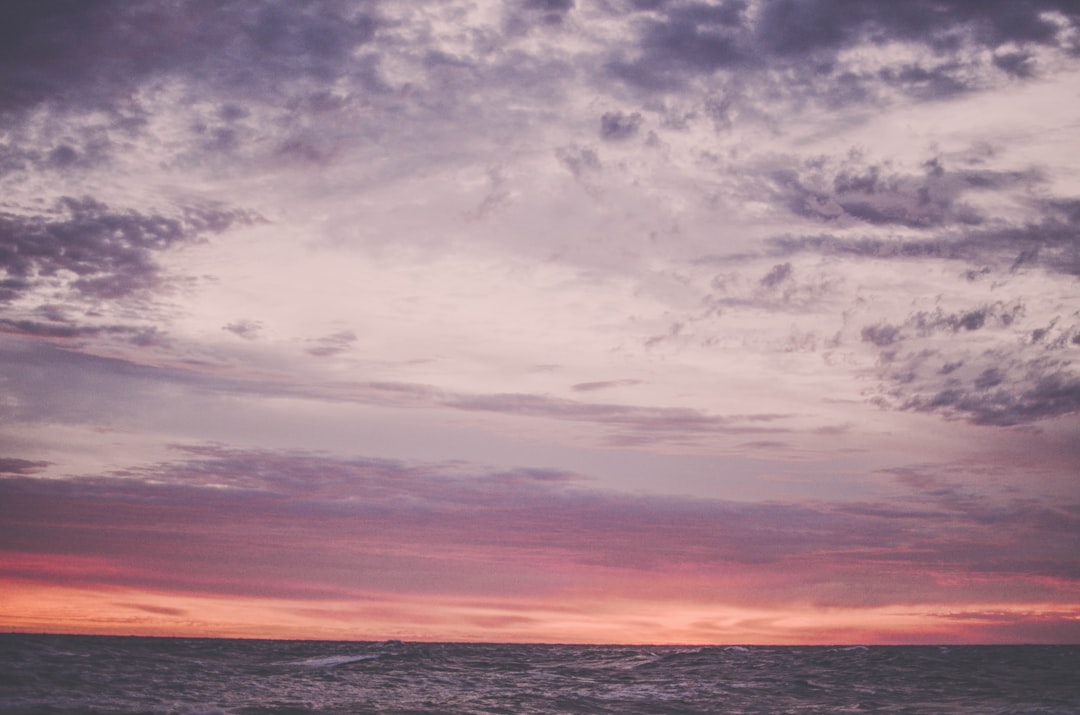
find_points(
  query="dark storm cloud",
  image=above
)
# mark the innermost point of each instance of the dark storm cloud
(93, 52)
(286, 524)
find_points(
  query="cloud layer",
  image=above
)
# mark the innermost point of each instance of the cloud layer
(266, 525)
(745, 304)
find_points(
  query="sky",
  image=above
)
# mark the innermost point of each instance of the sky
(590, 321)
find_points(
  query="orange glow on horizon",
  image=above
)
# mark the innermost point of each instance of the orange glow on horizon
(27, 606)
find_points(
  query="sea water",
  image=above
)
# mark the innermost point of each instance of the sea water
(94, 674)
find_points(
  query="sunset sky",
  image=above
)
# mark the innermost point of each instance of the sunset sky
(641, 321)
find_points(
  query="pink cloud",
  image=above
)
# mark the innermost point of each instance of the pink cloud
(268, 526)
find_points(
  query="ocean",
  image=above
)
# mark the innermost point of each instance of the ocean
(99, 674)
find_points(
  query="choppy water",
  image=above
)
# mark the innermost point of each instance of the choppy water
(73, 674)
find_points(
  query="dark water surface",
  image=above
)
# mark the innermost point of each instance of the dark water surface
(90, 674)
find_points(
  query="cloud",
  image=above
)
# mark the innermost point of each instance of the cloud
(793, 28)
(627, 425)
(977, 352)
(108, 254)
(855, 191)
(333, 344)
(777, 275)
(602, 385)
(684, 38)
(155, 610)
(21, 467)
(988, 335)
(616, 126)
(51, 382)
(246, 329)
(67, 330)
(881, 335)
(924, 323)
(1046, 244)
(676, 43)
(549, 12)
(1004, 374)
(939, 81)
(74, 273)
(1005, 386)
(69, 52)
(54, 381)
(989, 400)
(287, 524)
(876, 224)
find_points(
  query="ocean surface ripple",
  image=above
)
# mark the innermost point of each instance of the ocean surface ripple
(190, 676)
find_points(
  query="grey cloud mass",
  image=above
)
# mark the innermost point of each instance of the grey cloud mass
(679, 41)
(109, 253)
(14, 465)
(873, 194)
(63, 50)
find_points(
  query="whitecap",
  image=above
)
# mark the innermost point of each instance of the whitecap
(330, 661)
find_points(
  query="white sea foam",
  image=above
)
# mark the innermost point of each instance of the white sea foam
(330, 661)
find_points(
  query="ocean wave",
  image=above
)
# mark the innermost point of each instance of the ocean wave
(330, 661)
